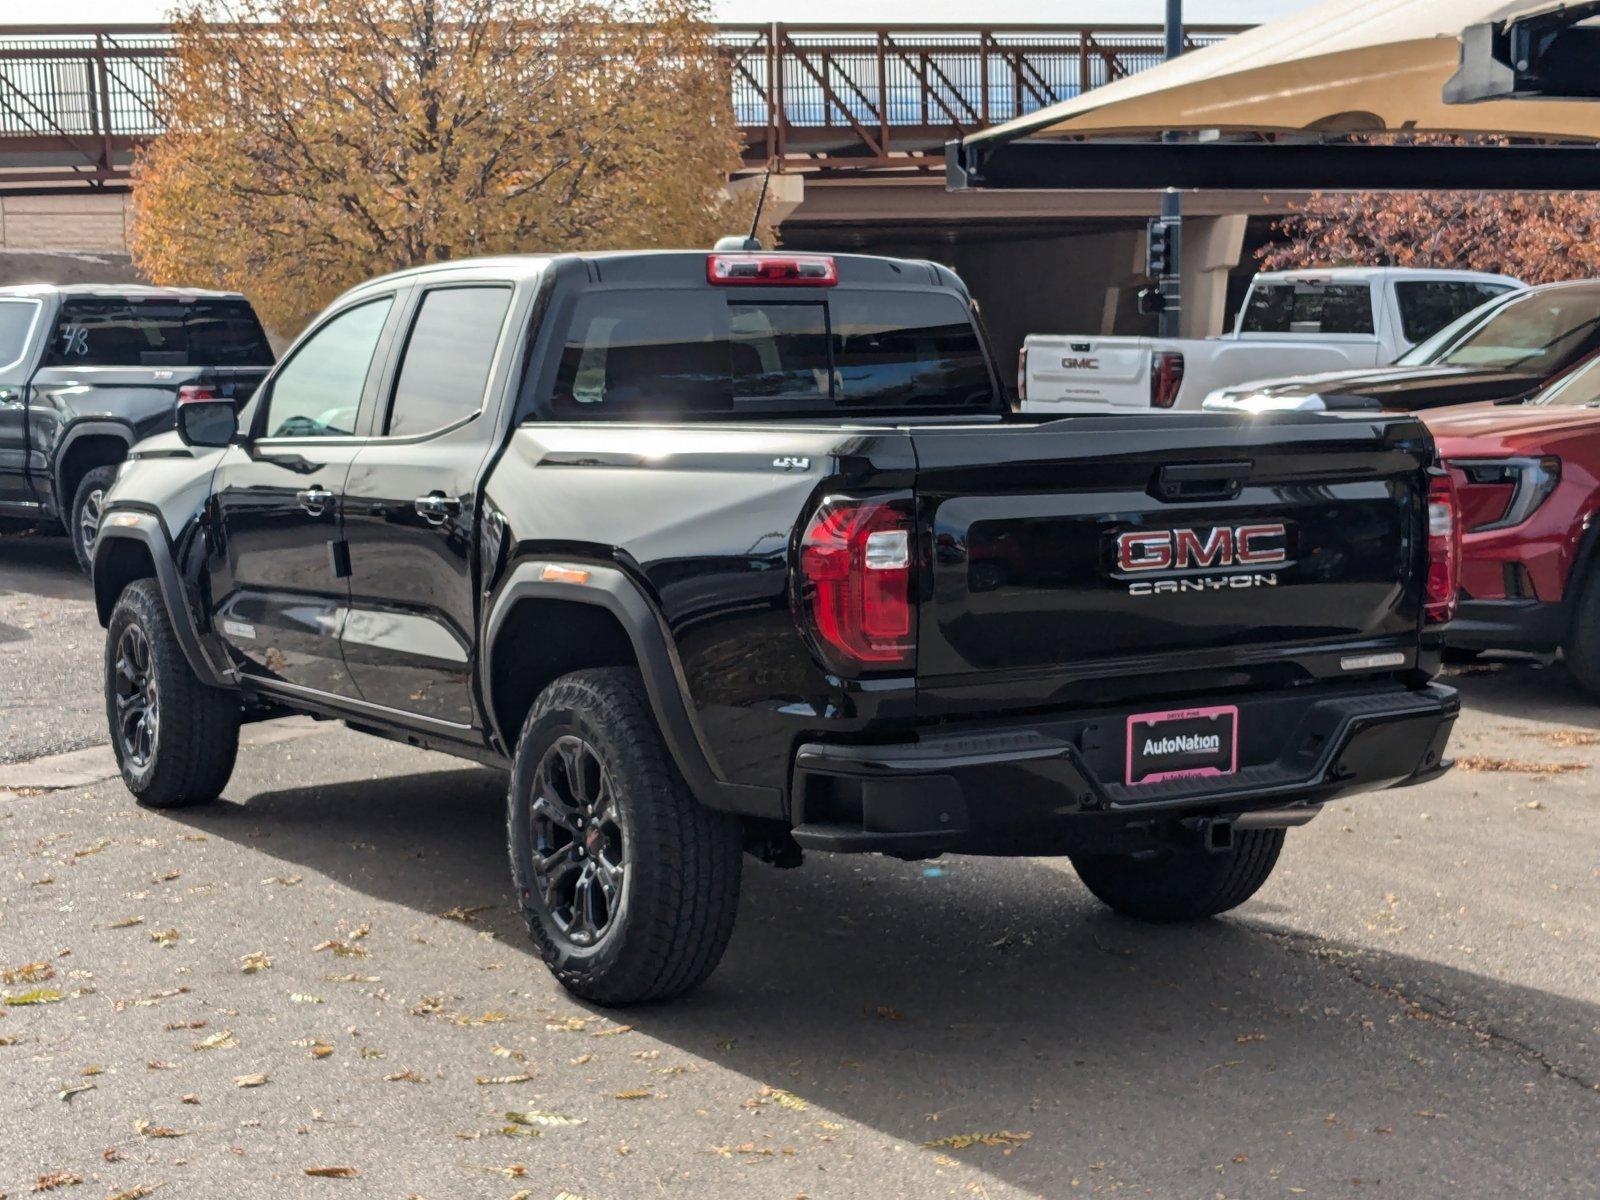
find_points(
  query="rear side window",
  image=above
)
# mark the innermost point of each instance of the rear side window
(687, 352)
(447, 358)
(1309, 308)
(16, 319)
(1428, 305)
(1543, 331)
(117, 332)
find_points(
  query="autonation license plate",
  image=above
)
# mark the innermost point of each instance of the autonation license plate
(1182, 743)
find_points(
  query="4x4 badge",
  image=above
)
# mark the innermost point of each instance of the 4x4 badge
(790, 462)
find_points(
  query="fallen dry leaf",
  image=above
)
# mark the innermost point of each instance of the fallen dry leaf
(341, 949)
(465, 915)
(613, 1031)
(67, 1093)
(333, 1172)
(189, 1098)
(1564, 737)
(490, 1080)
(126, 923)
(406, 1076)
(255, 961)
(36, 996)
(305, 998)
(960, 1141)
(567, 1024)
(282, 880)
(55, 1179)
(145, 1129)
(166, 938)
(1517, 766)
(320, 1050)
(34, 972)
(536, 1117)
(137, 1192)
(249, 1081)
(633, 1094)
(221, 1040)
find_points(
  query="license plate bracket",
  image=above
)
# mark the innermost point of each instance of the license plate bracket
(1182, 743)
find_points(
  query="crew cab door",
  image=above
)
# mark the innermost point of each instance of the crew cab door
(19, 318)
(411, 503)
(280, 591)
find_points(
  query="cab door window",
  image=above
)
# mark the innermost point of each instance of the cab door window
(317, 393)
(448, 356)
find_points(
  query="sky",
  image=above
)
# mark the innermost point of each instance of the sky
(874, 11)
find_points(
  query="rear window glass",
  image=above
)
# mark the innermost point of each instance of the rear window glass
(1428, 305)
(16, 318)
(116, 332)
(1309, 308)
(708, 352)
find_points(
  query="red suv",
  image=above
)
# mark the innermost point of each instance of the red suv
(1528, 478)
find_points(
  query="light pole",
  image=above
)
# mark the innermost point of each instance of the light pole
(1171, 285)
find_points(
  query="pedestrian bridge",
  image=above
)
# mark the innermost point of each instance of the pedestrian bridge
(77, 101)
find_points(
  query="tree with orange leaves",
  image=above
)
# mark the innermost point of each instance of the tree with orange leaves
(311, 144)
(1539, 237)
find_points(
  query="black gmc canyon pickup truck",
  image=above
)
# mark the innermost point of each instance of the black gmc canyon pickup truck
(746, 552)
(88, 370)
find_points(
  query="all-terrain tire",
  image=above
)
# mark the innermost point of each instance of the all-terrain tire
(1185, 886)
(196, 737)
(83, 515)
(1582, 647)
(679, 889)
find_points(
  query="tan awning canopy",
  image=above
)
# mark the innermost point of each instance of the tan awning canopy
(1340, 66)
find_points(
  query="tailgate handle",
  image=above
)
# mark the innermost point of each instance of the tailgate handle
(1201, 481)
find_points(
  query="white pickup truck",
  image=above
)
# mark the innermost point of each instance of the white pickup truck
(1291, 323)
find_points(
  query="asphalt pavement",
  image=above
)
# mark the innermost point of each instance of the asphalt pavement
(324, 972)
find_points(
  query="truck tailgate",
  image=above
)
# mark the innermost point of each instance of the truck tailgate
(1106, 559)
(1097, 370)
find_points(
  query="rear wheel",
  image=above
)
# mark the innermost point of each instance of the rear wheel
(83, 521)
(627, 883)
(1187, 885)
(175, 738)
(1582, 648)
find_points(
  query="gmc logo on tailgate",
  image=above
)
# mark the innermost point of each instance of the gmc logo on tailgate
(1216, 548)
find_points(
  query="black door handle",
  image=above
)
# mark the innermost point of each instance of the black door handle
(314, 499)
(436, 508)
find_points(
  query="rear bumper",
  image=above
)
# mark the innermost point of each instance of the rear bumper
(1535, 625)
(1054, 786)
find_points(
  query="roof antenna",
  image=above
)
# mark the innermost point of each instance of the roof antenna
(751, 242)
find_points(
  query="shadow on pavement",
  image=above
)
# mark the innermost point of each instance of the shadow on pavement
(41, 566)
(929, 1000)
(1528, 689)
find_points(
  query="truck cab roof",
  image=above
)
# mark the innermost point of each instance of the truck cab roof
(130, 291)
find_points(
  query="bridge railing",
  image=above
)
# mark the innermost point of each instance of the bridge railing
(76, 101)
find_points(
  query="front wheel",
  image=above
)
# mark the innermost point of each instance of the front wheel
(627, 883)
(83, 521)
(174, 737)
(1187, 885)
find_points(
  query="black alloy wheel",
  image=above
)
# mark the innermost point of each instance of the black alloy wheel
(580, 855)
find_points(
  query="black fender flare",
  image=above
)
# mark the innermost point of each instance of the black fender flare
(76, 432)
(611, 589)
(146, 528)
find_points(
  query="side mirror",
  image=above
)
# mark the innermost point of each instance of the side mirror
(207, 422)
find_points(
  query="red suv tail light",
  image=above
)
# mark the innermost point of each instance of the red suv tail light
(197, 391)
(855, 584)
(1166, 377)
(1444, 550)
(772, 270)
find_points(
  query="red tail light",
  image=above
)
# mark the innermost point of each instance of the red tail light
(1022, 373)
(855, 584)
(772, 270)
(1444, 550)
(197, 391)
(1166, 377)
